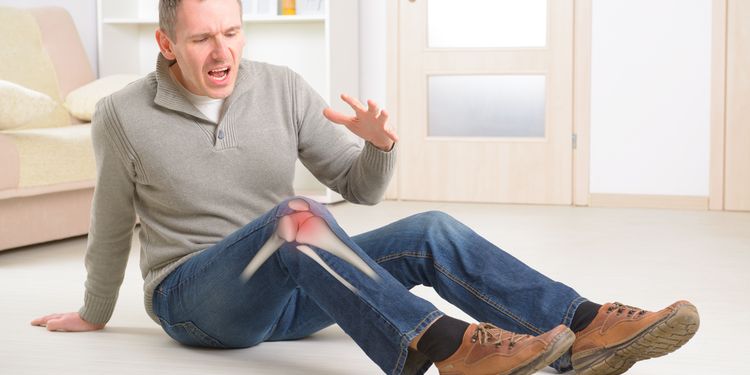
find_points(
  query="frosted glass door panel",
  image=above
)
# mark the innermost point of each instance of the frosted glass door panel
(486, 106)
(486, 23)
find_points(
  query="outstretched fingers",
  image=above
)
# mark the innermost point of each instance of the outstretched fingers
(373, 109)
(354, 103)
(338, 117)
(383, 118)
(383, 123)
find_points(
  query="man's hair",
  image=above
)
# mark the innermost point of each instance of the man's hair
(168, 15)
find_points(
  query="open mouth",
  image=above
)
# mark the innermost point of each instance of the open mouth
(219, 75)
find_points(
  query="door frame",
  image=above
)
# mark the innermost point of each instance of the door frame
(582, 24)
(581, 101)
(392, 83)
(718, 103)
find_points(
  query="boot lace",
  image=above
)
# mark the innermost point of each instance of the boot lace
(489, 334)
(620, 308)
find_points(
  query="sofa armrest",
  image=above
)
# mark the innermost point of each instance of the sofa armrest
(63, 44)
(9, 163)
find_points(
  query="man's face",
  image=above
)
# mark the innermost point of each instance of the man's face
(208, 46)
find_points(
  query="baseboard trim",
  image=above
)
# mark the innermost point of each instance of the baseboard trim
(648, 201)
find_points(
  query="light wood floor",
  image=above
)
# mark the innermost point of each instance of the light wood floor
(647, 258)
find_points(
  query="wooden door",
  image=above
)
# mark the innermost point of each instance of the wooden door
(485, 111)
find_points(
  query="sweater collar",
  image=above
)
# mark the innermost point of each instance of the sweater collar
(168, 94)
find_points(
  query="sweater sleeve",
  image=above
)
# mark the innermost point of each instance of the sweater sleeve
(112, 217)
(356, 169)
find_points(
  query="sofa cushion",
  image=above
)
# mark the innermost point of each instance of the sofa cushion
(53, 155)
(19, 105)
(25, 62)
(81, 102)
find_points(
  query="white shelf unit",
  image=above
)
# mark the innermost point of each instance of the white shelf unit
(247, 18)
(323, 48)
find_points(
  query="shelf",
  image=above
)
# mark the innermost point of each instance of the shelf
(246, 19)
(284, 19)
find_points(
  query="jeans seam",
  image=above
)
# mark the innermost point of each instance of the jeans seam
(477, 294)
(432, 316)
(198, 334)
(572, 307)
(563, 363)
(499, 308)
(401, 255)
(394, 256)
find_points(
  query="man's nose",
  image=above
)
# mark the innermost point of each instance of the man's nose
(220, 50)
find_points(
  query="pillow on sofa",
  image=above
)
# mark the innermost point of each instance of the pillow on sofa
(25, 61)
(20, 105)
(81, 102)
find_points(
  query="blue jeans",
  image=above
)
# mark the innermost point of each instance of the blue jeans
(204, 302)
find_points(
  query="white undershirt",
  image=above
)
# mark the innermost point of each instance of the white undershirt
(208, 106)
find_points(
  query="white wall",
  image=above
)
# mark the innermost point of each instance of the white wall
(650, 127)
(372, 56)
(84, 16)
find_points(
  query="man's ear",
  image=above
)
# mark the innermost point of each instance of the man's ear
(165, 45)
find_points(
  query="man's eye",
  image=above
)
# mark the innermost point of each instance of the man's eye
(201, 40)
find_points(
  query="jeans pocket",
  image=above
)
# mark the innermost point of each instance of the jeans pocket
(187, 333)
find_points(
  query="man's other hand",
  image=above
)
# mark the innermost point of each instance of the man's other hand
(68, 322)
(370, 124)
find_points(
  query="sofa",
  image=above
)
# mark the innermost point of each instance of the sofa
(47, 167)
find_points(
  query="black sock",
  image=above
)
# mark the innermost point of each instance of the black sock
(584, 315)
(442, 339)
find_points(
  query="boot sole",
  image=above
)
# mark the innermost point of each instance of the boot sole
(662, 338)
(558, 346)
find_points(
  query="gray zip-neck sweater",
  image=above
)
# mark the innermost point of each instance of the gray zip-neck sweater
(191, 188)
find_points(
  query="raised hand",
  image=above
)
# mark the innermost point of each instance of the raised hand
(68, 322)
(369, 124)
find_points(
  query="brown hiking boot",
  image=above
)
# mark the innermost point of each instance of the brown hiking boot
(486, 350)
(621, 335)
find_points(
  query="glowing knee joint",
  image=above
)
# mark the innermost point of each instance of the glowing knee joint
(305, 228)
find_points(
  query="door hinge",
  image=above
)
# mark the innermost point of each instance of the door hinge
(575, 141)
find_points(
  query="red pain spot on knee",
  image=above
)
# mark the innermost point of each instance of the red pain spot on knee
(301, 217)
(290, 225)
(312, 230)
